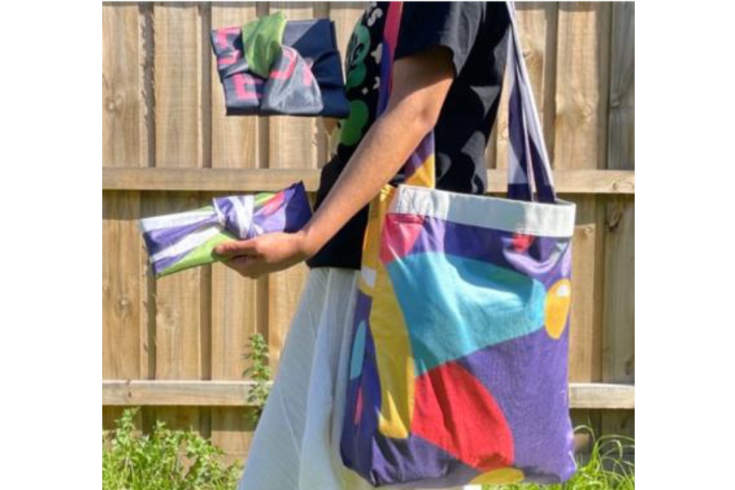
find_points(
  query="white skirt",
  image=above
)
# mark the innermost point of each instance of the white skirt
(296, 442)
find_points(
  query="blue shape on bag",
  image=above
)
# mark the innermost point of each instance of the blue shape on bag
(358, 351)
(466, 305)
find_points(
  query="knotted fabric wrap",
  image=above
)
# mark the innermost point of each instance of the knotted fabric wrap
(179, 241)
(271, 66)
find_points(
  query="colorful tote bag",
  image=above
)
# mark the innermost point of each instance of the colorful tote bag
(273, 66)
(458, 369)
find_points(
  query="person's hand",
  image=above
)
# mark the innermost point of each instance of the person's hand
(264, 254)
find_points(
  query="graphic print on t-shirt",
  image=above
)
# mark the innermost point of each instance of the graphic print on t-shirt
(362, 66)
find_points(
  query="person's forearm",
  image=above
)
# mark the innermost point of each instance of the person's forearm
(377, 159)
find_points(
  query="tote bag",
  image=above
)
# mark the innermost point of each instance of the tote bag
(458, 368)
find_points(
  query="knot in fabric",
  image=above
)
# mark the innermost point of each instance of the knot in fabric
(235, 214)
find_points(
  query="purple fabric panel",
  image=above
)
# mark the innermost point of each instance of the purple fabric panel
(544, 188)
(527, 376)
(519, 192)
(269, 216)
(416, 462)
(419, 156)
(269, 222)
(298, 209)
(288, 211)
(160, 266)
(157, 240)
(491, 246)
(517, 136)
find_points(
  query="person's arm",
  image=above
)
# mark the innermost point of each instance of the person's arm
(420, 86)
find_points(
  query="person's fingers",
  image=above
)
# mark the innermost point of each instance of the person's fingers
(245, 266)
(237, 263)
(236, 247)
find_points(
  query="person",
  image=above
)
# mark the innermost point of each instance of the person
(447, 76)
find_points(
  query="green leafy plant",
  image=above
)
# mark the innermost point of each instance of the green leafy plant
(162, 460)
(260, 373)
(605, 468)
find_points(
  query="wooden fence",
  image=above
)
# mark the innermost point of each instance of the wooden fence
(174, 345)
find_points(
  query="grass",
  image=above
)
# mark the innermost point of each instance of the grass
(605, 468)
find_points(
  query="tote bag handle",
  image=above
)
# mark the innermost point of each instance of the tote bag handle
(527, 157)
(528, 161)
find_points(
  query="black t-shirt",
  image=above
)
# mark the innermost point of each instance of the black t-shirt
(477, 34)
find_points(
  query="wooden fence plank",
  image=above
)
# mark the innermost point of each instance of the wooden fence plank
(619, 300)
(619, 303)
(621, 143)
(122, 314)
(178, 314)
(124, 142)
(585, 325)
(582, 85)
(580, 115)
(122, 281)
(177, 34)
(252, 180)
(121, 90)
(235, 394)
(178, 30)
(284, 292)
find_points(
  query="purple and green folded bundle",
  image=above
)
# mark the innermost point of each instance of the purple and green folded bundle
(183, 240)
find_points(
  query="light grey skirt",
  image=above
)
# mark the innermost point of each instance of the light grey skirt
(296, 442)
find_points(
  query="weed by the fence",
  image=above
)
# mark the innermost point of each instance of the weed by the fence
(260, 373)
(162, 460)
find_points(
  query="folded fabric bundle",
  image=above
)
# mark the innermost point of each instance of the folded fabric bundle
(179, 241)
(272, 66)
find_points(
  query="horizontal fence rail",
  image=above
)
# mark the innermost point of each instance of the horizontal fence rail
(250, 180)
(126, 393)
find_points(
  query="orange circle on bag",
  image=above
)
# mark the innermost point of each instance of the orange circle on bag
(558, 302)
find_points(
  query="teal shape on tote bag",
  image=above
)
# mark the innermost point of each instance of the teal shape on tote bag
(454, 306)
(358, 351)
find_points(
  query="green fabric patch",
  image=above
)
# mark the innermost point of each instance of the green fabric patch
(261, 40)
(202, 255)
